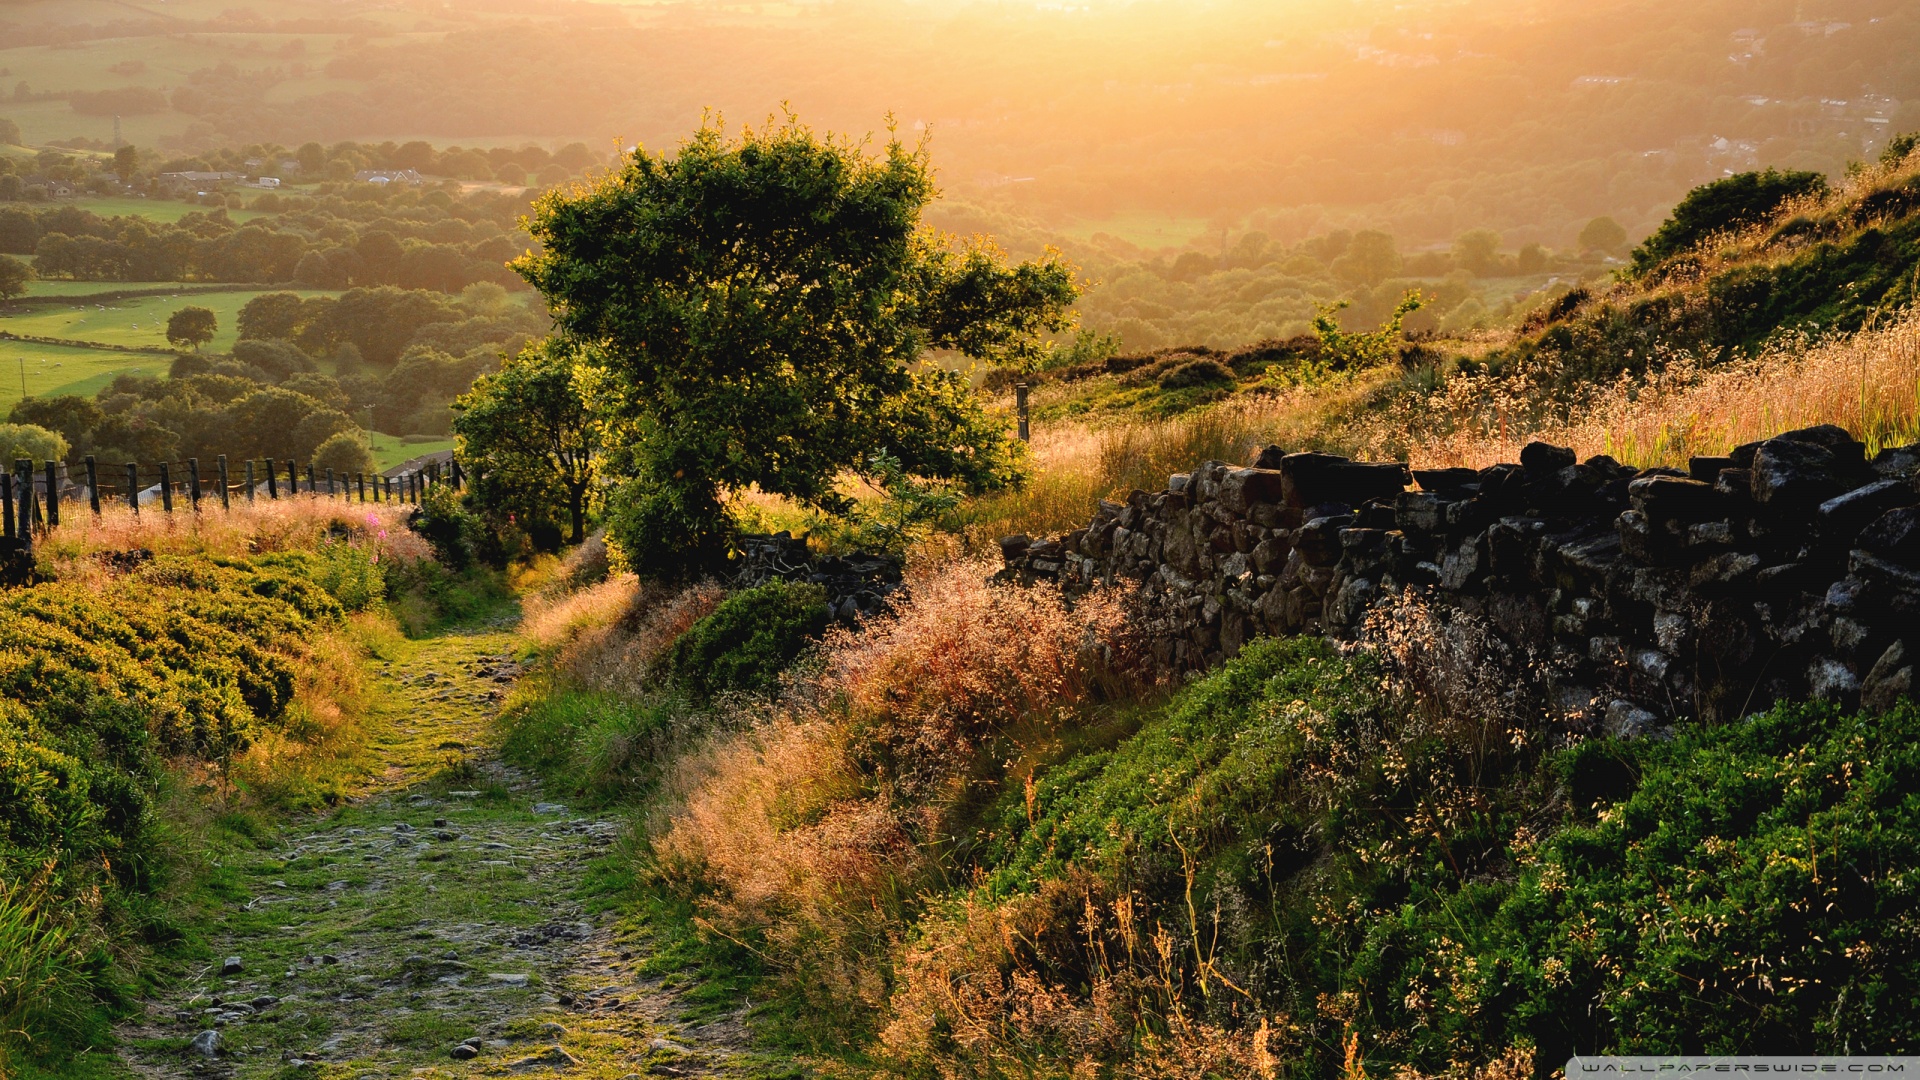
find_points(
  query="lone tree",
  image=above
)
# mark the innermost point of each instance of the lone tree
(193, 326)
(14, 276)
(527, 431)
(760, 311)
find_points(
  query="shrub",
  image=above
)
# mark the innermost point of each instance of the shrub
(454, 534)
(103, 679)
(1202, 372)
(748, 640)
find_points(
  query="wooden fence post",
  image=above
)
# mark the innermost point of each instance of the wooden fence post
(133, 486)
(330, 491)
(23, 513)
(226, 494)
(166, 488)
(293, 477)
(273, 481)
(193, 482)
(361, 480)
(53, 495)
(93, 485)
(1020, 410)
(249, 479)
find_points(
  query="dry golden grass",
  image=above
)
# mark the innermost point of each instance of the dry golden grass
(820, 822)
(1867, 382)
(247, 529)
(607, 637)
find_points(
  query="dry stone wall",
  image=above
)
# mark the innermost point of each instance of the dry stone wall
(1788, 569)
(856, 585)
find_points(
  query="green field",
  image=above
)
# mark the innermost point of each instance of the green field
(39, 287)
(163, 210)
(141, 321)
(53, 369)
(389, 451)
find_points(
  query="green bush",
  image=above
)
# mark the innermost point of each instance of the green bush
(748, 640)
(180, 659)
(606, 747)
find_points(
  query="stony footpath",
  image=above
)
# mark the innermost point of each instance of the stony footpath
(434, 926)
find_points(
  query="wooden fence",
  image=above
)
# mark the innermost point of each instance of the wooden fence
(31, 505)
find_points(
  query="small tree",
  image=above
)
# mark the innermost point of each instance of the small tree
(126, 163)
(29, 441)
(193, 326)
(14, 276)
(759, 310)
(1605, 235)
(527, 430)
(345, 452)
(1343, 353)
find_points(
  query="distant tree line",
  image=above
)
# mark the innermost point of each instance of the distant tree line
(430, 242)
(398, 358)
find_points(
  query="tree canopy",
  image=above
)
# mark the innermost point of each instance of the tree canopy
(528, 436)
(761, 311)
(193, 326)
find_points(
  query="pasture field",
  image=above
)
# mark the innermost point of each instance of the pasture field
(49, 370)
(139, 321)
(166, 211)
(389, 450)
(40, 287)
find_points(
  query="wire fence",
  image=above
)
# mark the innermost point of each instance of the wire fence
(33, 499)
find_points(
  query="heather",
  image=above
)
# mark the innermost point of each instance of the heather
(161, 672)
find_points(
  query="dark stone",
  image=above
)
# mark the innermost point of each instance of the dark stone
(1672, 498)
(1312, 479)
(1890, 679)
(1707, 469)
(1445, 481)
(1420, 512)
(231, 966)
(1737, 483)
(1240, 489)
(1844, 447)
(1742, 455)
(1318, 541)
(1841, 518)
(1790, 476)
(1897, 464)
(1894, 536)
(1269, 458)
(1544, 459)
(1604, 463)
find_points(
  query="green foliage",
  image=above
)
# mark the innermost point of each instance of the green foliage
(528, 436)
(180, 659)
(906, 510)
(29, 441)
(455, 534)
(14, 276)
(748, 640)
(1758, 878)
(1343, 353)
(759, 322)
(1898, 149)
(1603, 234)
(347, 453)
(1742, 199)
(607, 747)
(193, 326)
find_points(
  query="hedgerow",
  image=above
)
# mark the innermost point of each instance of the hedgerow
(103, 684)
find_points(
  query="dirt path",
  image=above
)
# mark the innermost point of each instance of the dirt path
(433, 927)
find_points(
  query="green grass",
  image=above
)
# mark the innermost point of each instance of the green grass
(389, 451)
(141, 321)
(163, 210)
(56, 287)
(49, 370)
